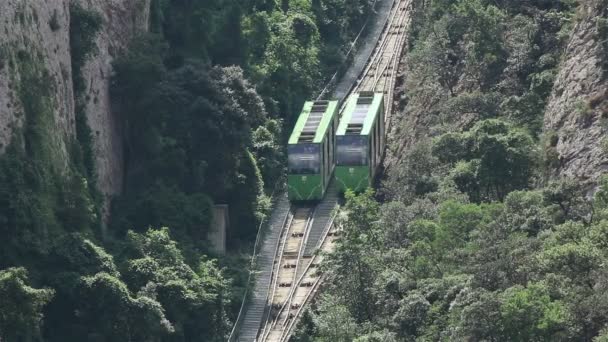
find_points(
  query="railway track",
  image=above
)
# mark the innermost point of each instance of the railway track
(288, 268)
(302, 279)
(381, 70)
(308, 233)
(308, 281)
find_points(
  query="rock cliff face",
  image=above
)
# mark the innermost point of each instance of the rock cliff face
(122, 20)
(40, 28)
(25, 28)
(577, 112)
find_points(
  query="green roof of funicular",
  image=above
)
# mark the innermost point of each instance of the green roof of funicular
(370, 116)
(324, 124)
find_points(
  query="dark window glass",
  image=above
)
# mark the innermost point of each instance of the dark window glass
(351, 150)
(304, 159)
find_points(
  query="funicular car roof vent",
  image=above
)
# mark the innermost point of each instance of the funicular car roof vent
(312, 122)
(354, 128)
(364, 102)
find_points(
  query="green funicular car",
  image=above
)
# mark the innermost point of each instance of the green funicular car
(311, 151)
(360, 141)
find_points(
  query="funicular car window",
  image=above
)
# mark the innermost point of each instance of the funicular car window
(352, 150)
(304, 159)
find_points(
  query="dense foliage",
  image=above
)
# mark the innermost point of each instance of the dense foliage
(529, 268)
(472, 242)
(199, 134)
(204, 95)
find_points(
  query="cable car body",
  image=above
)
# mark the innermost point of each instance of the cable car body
(311, 151)
(360, 141)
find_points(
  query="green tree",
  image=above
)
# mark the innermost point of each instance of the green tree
(352, 271)
(526, 211)
(603, 337)
(529, 313)
(569, 198)
(485, 56)
(269, 151)
(477, 316)
(456, 222)
(113, 313)
(288, 68)
(502, 156)
(600, 203)
(411, 316)
(334, 321)
(413, 174)
(21, 306)
(184, 121)
(194, 300)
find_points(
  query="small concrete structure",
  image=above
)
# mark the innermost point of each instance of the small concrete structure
(219, 226)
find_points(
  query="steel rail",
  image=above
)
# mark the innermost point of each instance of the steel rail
(381, 44)
(365, 69)
(275, 275)
(256, 247)
(393, 56)
(310, 219)
(285, 334)
(300, 254)
(372, 65)
(350, 50)
(390, 41)
(297, 283)
(392, 62)
(399, 54)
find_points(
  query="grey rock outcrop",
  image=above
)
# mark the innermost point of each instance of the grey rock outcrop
(577, 112)
(122, 20)
(25, 29)
(41, 28)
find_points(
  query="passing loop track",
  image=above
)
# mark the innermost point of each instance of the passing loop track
(287, 303)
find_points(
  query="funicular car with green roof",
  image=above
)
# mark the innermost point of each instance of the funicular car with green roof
(360, 141)
(310, 151)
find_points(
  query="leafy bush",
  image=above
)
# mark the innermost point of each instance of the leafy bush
(84, 25)
(189, 129)
(21, 306)
(194, 299)
(501, 156)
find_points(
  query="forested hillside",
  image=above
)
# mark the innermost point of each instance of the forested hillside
(203, 96)
(484, 227)
(476, 238)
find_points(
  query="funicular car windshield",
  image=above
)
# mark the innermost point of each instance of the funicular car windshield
(351, 150)
(304, 159)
